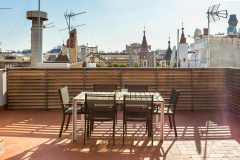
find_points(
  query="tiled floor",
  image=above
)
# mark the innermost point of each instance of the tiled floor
(33, 134)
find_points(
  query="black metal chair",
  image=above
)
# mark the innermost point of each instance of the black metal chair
(99, 107)
(138, 108)
(66, 106)
(104, 87)
(136, 88)
(170, 108)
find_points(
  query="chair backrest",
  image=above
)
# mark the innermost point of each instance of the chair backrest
(94, 102)
(64, 96)
(135, 102)
(136, 88)
(174, 98)
(104, 87)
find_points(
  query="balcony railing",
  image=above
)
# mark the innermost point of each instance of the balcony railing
(214, 88)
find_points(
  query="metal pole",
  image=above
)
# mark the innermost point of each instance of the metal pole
(208, 44)
(177, 47)
(69, 40)
(39, 30)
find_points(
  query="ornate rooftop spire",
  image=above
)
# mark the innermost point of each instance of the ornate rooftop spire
(182, 39)
(169, 51)
(169, 42)
(144, 46)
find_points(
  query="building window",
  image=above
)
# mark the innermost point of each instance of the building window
(145, 63)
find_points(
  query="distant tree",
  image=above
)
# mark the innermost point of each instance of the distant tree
(115, 65)
(136, 65)
(122, 65)
(100, 65)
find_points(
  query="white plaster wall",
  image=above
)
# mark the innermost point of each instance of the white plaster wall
(224, 52)
(183, 55)
(53, 65)
(3, 88)
(91, 65)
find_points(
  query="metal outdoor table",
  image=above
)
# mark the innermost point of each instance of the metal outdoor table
(80, 98)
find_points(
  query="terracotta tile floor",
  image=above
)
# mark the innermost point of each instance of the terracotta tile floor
(33, 134)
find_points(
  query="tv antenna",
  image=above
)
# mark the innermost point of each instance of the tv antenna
(71, 27)
(68, 17)
(5, 8)
(49, 25)
(214, 14)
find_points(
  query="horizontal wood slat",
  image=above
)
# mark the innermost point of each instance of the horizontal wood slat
(233, 85)
(26, 88)
(200, 88)
(209, 89)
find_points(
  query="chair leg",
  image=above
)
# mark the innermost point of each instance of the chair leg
(88, 128)
(174, 125)
(84, 133)
(151, 124)
(91, 124)
(116, 117)
(124, 128)
(61, 129)
(91, 127)
(146, 126)
(149, 128)
(123, 132)
(170, 121)
(69, 117)
(114, 132)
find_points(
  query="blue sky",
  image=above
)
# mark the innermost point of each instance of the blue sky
(111, 24)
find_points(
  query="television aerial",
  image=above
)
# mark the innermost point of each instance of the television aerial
(49, 25)
(214, 14)
(71, 27)
(5, 8)
(68, 17)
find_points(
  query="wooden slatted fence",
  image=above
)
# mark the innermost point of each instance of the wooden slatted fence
(37, 88)
(26, 88)
(233, 85)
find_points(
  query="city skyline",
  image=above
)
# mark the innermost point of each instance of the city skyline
(110, 25)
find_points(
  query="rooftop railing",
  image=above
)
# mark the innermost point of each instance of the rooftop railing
(211, 88)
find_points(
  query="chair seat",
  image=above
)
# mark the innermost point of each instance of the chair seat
(80, 110)
(101, 116)
(157, 110)
(137, 116)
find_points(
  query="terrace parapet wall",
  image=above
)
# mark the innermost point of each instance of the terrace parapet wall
(212, 88)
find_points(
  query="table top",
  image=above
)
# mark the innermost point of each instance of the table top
(119, 95)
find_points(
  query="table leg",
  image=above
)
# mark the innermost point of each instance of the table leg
(162, 121)
(157, 120)
(74, 120)
(82, 121)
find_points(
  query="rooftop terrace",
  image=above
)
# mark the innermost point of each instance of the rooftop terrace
(207, 116)
(201, 135)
